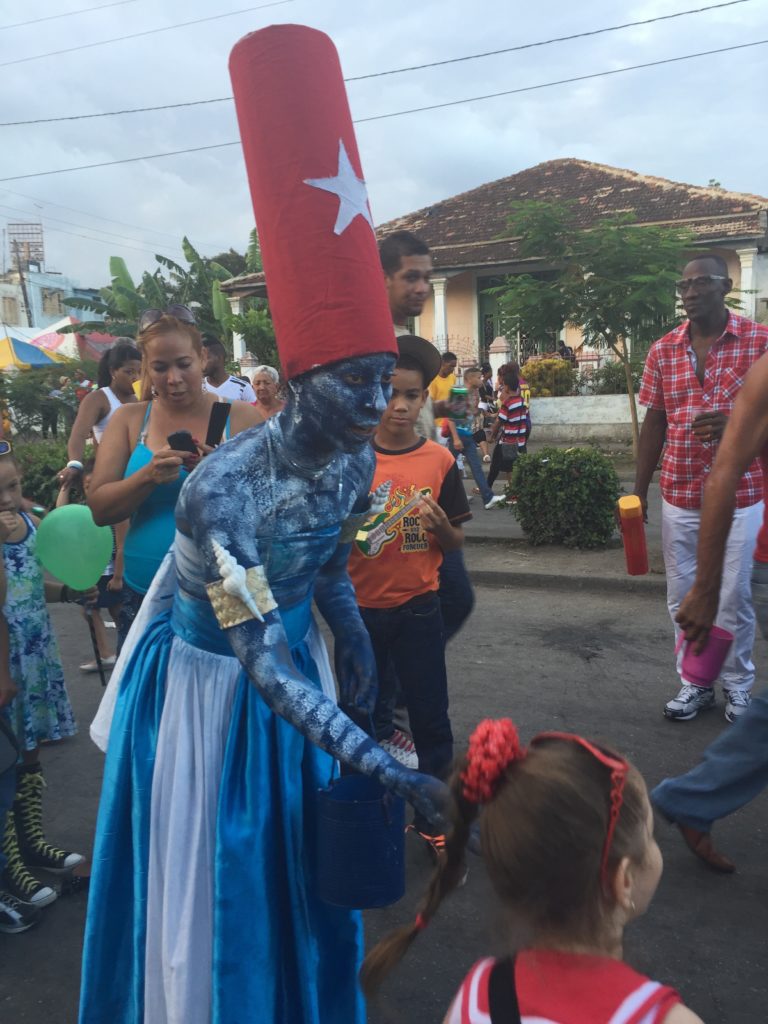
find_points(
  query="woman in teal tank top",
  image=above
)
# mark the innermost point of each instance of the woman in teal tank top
(137, 475)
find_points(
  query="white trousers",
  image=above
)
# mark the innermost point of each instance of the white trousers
(680, 535)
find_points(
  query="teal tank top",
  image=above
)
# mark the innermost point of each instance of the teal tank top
(153, 524)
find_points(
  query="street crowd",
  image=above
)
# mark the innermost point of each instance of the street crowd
(163, 403)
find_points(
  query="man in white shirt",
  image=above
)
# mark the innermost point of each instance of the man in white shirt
(217, 380)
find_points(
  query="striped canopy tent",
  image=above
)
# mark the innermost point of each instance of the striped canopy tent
(22, 356)
(72, 345)
(50, 340)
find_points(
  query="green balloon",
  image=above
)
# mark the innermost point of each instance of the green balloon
(72, 547)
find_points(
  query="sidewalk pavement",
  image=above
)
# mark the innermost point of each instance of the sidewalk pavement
(498, 555)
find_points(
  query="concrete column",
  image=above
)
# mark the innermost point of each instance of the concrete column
(440, 334)
(747, 261)
(238, 341)
(498, 354)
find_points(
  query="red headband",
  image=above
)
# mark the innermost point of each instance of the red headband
(494, 745)
(618, 768)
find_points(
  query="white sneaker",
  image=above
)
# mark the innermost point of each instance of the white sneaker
(497, 499)
(400, 746)
(689, 702)
(736, 703)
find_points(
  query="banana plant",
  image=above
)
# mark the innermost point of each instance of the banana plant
(197, 286)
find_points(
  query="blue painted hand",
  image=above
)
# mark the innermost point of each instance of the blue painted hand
(356, 671)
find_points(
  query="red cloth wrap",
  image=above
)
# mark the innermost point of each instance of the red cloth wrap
(326, 291)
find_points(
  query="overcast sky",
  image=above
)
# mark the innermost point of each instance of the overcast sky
(690, 121)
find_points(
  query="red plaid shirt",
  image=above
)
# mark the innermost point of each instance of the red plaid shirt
(669, 383)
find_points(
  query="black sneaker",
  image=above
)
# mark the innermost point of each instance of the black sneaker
(16, 916)
(25, 887)
(35, 849)
(16, 879)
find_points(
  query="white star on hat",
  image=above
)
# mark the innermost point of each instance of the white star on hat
(351, 190)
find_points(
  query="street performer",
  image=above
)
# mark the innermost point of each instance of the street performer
(203, 908)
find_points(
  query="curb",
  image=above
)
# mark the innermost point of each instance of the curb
(653, 585)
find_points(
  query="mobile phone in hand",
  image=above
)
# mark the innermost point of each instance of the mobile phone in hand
(181, 441)
(217, 422)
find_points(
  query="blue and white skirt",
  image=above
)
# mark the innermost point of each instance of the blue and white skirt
(202, 905)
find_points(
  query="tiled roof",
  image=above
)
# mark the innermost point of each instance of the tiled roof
(256, 281)
(470, 229)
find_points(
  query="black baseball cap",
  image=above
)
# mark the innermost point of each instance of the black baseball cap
(423, 351)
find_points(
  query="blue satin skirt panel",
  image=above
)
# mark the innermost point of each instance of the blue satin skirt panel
(115, 928)
(280, 956)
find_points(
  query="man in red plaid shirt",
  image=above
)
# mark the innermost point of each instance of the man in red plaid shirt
(690, 382)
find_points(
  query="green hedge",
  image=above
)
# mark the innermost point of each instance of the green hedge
(40, 461)
(548, 377)
(565, 496)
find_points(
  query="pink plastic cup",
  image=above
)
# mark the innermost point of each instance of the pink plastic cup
(703, 669)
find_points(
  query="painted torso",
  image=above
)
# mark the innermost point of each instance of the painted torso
(295, 520)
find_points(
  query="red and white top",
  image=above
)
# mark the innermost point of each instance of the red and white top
(512, 416)
(670, 384)
(567, 988)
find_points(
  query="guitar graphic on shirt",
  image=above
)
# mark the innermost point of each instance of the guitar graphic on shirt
(382, 529)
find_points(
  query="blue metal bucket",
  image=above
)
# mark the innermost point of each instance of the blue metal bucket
(361, 844)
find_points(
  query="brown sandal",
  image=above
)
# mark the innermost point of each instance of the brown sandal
(700, 843)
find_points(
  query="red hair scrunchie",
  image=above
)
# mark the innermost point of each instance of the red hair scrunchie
(493, 746)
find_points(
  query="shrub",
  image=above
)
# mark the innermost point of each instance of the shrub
(549, 377)
(610, 379)
(40, 461)
(565, 496)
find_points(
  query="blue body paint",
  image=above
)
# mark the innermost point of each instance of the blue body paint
(277, 496)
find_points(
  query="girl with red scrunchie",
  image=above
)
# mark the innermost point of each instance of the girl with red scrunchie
(567, 836)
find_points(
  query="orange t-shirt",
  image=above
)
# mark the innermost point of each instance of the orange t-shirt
(393, 558)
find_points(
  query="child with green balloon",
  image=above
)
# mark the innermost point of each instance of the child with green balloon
(33, 697)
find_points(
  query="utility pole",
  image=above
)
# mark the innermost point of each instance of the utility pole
(22, 283)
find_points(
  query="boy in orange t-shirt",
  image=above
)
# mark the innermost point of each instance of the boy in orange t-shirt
(396, 559)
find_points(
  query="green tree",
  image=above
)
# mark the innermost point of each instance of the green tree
(253, 262)
(122, 301)
(615, 281)
(255, 326)
(232, 261)
(199, 287)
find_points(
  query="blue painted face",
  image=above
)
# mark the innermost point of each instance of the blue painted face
(342, 404)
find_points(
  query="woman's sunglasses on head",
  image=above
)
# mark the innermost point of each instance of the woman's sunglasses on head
(176, 310)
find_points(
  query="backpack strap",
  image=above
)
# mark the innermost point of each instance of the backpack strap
(502, 996)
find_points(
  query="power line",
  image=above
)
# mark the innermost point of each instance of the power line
(412, 110)
(67, 14)
(547, 42)
(106, 241)
(125, 160)
(96, 216)
(115, 113)
(57, 220)
(560, 81)
(380, 74)
(147, 32)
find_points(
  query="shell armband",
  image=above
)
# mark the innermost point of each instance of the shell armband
(241, 594)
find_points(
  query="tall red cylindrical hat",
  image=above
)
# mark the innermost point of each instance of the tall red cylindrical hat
(325, 282)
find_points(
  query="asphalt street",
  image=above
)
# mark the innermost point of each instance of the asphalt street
(595, 663)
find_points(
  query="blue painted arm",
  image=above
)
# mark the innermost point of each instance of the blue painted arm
(353, 654)
(263, 650)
